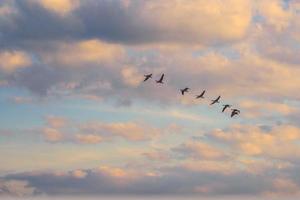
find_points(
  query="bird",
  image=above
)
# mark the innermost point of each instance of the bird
(235, 112)
(184, 90)
(225, 107)
(216, 100)
(161, 79)
(201, 95)
(147, 76)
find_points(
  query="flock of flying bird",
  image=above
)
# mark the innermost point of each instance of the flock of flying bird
(201, 96)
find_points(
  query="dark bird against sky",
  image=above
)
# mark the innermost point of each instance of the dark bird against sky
(235, 112)
(161, 79)
(216, 100)
(184, 90)
(225, 107)
(201, 95)
(147, 76)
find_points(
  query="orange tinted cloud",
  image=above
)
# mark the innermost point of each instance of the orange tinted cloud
(89, 138)
(201, 150)
(13, 60)
(128, 130)
(52, 135)
(61, 7)
(255, 141)
(257, 109)
(56, 122)
(83, 53)
(78, 173)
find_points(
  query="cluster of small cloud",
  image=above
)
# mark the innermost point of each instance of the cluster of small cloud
(59, 129)
(240, 160)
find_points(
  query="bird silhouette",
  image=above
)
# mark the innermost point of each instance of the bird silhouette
(201, 95)
(225, 107)
(184, 90)
(235, 112)
(161, 79)
(216, 100)
(147, 76)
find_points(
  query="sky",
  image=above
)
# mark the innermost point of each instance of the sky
(77, 119)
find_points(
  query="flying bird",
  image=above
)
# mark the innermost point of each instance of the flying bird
(235, 112)
(161, 79)
(225, 107)
(201, 95)
(216, 100)
(184, 90)
(147, 76)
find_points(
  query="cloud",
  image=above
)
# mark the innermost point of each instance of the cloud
(169, 21)
(52, 135)
(131, 76)
(7, 8)
(56, 122)
(79, 173)
(89, 138)
(61, 7)
(177, 180)
(13, 60)
(255, 141)
(113, 171)
(275, 14)
(83, 53)
(284, 186)
(60, 129)
(105, 63)
(133, 22)
(129, 130)
(157, 155)
(245, 51)
(212, 166)
(21, 100)
(200, 150)
(254, 109)
(15, 188)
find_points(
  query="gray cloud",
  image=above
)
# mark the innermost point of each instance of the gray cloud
(135, 22)
(173, 181)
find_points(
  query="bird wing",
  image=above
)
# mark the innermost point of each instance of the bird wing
(224, 108)
(232, 114)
